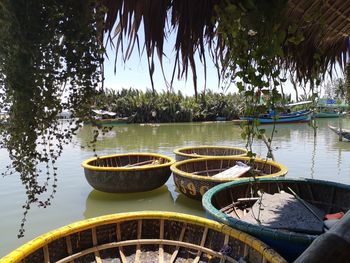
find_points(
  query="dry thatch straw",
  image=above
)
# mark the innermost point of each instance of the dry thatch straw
(324, 24)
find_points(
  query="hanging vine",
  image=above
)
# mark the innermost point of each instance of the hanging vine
(50, 61)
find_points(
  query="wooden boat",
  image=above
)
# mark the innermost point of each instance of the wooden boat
(207, 151)
(195, 176)
(345, 133)
(221, 203)
(328, 108)
(145, 237)
(322, 113)
(298, 116)
(126, 173)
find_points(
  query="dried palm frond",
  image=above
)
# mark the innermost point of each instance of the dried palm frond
(325, 26)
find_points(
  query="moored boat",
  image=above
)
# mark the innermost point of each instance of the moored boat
(222, 203)
(207, 151)
(145, 237)
(126, 173)
(345, 133)
(194, 177)
(298, 116)
(329, 108)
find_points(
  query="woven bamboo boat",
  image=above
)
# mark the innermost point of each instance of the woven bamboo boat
(194, 177)
(185, 153)
(144, 237)
(219, 203)
(126, 173)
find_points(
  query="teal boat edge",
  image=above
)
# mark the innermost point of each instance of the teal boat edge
(288, 244)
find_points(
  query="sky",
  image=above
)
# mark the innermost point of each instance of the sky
(134, 73)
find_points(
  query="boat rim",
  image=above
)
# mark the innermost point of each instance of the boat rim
(23, 251)
(86, 164)
(250, 228)
(178, 151)
(283, 169)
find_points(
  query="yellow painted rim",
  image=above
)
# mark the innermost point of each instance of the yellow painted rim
(22, 252)
(191, 155)
(86, 164)
(283, 169)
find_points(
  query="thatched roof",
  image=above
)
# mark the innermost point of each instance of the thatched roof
(193, 22)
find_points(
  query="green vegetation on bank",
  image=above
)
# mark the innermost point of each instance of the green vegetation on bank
(149, 106)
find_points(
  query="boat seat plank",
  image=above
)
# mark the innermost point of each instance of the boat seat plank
(233, 172)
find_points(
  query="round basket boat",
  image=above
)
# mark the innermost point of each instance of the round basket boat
(126, 173)
(185, 153)
(327, 196)
(145, 237)
(195, 176)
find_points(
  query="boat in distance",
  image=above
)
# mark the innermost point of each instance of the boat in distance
(345, 133)
(271, 118)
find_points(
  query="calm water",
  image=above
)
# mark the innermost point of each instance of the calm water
(323, 158)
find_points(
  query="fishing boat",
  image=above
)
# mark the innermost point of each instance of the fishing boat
(194, 177)
(229, 203)
(285, 117)
(145, 237)
(126, 173)
(106, 118)
(298, 116)
(328, 108)
(207, 151)
(345, 133)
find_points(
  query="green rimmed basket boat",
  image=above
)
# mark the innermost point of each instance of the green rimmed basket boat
(126, 173)
(330, 197)
(186, 153)
(193, 177)
(144, 237)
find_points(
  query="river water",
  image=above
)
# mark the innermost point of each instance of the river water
(322, 157)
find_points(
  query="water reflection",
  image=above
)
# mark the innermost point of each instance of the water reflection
(99, 203)
(133, 137)
(322, 158)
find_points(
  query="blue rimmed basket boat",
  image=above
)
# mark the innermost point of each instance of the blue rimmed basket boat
(193, 177)
(126, 173)
(192, 152)
(328, 196)
(145, 237)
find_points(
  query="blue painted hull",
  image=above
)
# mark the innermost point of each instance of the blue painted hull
(300, 116)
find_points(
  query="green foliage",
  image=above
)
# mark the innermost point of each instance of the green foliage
(50, 57)
(149, 106)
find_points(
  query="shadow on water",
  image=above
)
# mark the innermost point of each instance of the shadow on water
(100, 203)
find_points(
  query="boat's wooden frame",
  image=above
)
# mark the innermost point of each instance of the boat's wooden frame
(193, 177)
(202, 151)
(134, 237)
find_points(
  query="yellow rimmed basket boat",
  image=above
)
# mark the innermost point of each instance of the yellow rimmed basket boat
(145, 237)
(186, 153)
(195, 176)
(126, 173)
